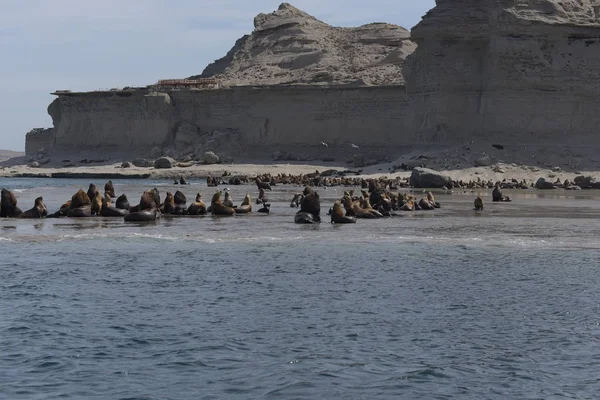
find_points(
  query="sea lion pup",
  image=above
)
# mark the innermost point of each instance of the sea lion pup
(39, 210)
(81, 205)
(110, 189)
(266, 208)
(147, 210)
(97, 202)
(262, 197)
(8, 205)
(478, 204)
(122, 203)
(245, 207)
(182, 181)
(497, 195)
(198, 207)
(108, 210)
(218, 208)
(310, 208)
(92, 190)
(227, 202)
(297, 200)
(338, 215)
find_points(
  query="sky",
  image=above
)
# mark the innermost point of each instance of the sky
(90, 44)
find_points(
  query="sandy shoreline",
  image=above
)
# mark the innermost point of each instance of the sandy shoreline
(496, 172)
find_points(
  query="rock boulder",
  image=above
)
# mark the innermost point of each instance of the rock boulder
(429, 178)
(164, 162)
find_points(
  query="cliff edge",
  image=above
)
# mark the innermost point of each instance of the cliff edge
(290, 46)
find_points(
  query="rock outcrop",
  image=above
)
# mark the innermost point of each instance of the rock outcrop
(290, 46)
(520, 71)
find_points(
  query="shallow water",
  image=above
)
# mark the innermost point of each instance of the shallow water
(444, 304)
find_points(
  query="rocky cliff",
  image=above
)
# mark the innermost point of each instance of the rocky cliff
(290, 46)
(510, 70)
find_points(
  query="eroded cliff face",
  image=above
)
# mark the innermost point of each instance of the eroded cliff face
(510, 70)
(290, 46)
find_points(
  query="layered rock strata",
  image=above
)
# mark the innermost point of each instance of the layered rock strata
(507, 70)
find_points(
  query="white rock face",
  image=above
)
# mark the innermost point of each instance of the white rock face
(516, 71)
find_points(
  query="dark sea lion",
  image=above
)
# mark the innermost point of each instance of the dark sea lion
(182, 181)
(198, 207)
(263, 185)
(92, 190)
(123, 203)
(295, 203)
(228, 202)
(8, 205)
(245, 207)
(497, 195)
(179, 198)
(110, 189)
(39, 210)
(108, 210)
(81, 205)
(62, 212)
(338, 215)
(217, 207)
(262, 197)
(478, 204)
(310, 208)
(147, 210)
(266, 208)
(180, 204)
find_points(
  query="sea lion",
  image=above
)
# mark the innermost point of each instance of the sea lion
(168, 206)
(62, 212)
(217, 207)
(182, 181)
(97, 202)
(198, 207)
(81, 205)
(266, 208)
(310, 208)
(39, 210)
(497, 195)
(338, 215)
(354, 209)
(122, 202)
(108, 210)
(227, 202)
(262, 197)
(297, 200)
(147, 210)
(180, 203)
(425, 204)
(92, 190)
(245, 207)
(478, 204)
(110, 189)
(8, 205)
(263, 185)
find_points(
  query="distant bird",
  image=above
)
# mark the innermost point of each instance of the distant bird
(324, 144)
(354, 146)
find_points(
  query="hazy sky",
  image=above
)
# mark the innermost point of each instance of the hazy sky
(86, 45)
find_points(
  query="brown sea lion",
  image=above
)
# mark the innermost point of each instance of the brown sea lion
(92, 190)
(110, 189)
(217, 207)
(425, 204)
(198, 207)
(354, 209)
(108, 210)
(263, 185)
(478, 204)
(168, 206)
(97, 202)
(39, 210)
(81, 205)
(245, 207)
(338, 215)
(262, 197)
(8, 205)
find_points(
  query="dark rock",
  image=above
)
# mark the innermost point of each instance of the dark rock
(429, 178)
(164, 162)
(142, 163)
(210, 158)
(126, 164)
(544, 184)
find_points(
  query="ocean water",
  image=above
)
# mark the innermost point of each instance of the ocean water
(448, 304)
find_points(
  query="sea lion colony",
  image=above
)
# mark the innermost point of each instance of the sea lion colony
(376, 199)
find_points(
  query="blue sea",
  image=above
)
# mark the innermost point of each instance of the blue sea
(448, 304)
